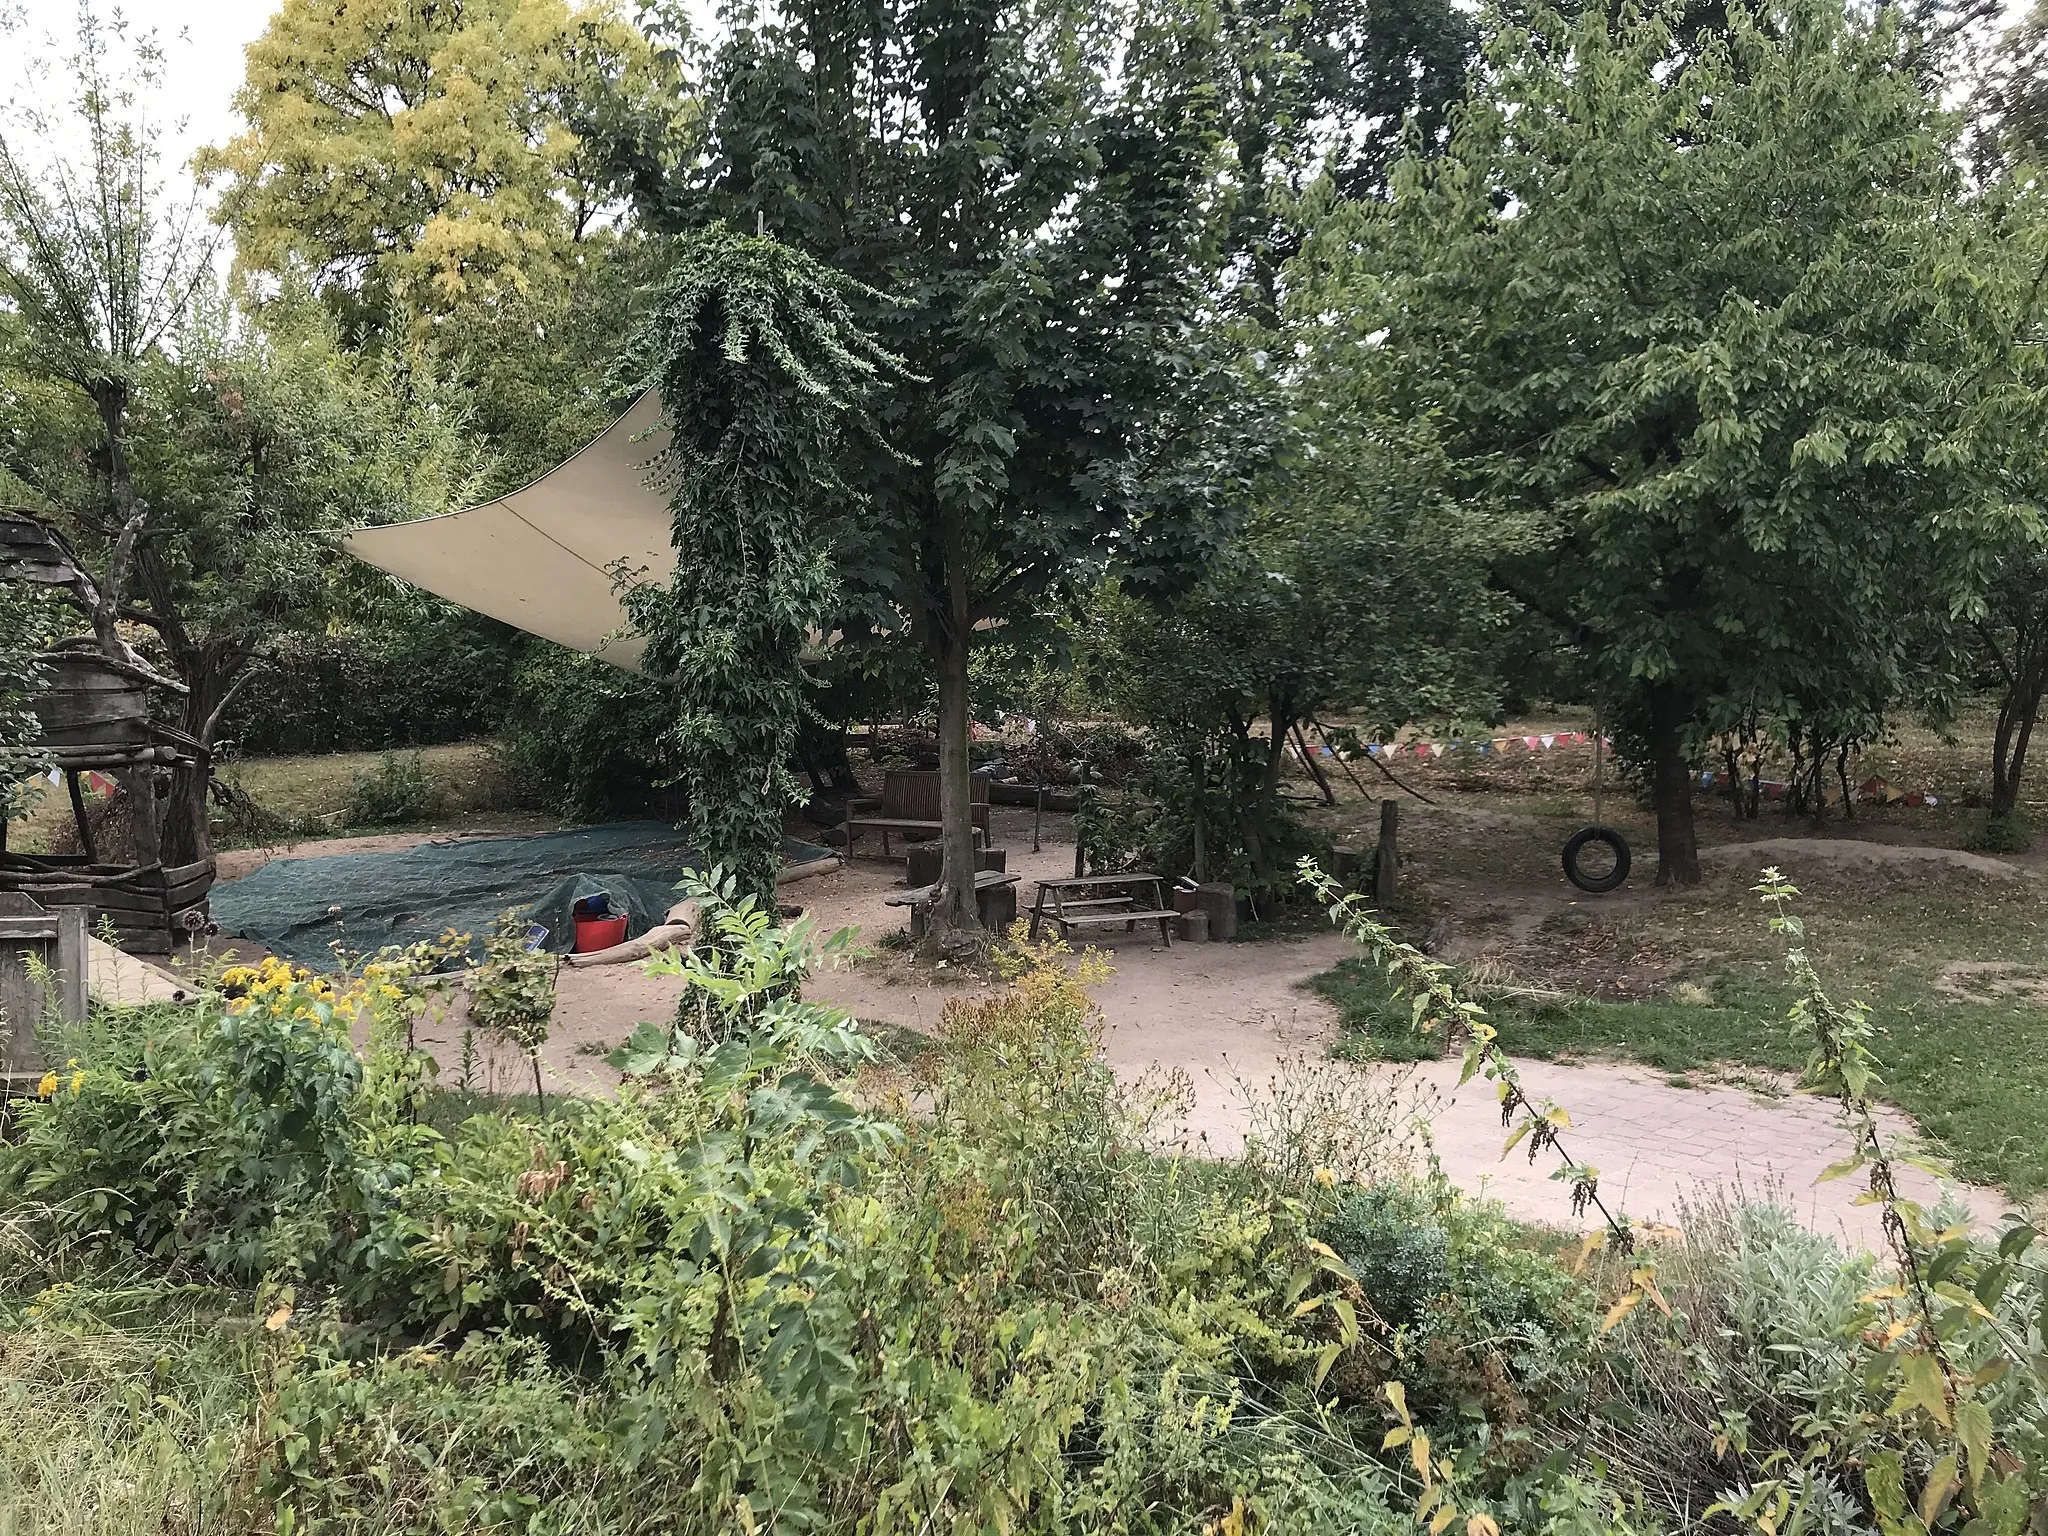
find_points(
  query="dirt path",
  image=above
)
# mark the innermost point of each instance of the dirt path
(1235, 1019)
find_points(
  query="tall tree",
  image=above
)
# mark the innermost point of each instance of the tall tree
(446, 174)
(1035, 188)
(134, 395)
(1709, 309)
(1326, 89)
(762, 370)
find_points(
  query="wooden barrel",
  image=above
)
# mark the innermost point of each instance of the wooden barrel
(92, 702)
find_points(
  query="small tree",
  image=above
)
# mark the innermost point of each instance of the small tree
(193, 446)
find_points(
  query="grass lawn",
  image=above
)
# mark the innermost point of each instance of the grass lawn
(315, 795)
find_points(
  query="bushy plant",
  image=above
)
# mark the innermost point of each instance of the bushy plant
(398, 790)
(513, 995)
(401, 673)
(587, 739)
(241, 1134)
(777, 1283)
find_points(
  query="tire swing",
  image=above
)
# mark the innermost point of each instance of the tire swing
(1586, 874)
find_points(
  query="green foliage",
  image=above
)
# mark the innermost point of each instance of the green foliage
(215, 1135)
(398, 790)
(416, 672)
(763, 369)
(588, 739)
(26, 629)
(767, 1283)
(1376, 1020)
(1758, 451)
(513, 995)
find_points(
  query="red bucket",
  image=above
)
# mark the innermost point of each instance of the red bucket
(595, 933)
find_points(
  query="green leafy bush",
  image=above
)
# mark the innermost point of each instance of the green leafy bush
(416, 673)
(589, 740)
(777, 1283)
(398, 790)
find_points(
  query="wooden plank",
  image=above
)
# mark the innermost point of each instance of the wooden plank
(1136, 916)
(44, 927)
(1075, 882)
(74, 965)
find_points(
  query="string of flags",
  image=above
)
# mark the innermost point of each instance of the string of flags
(91, 782)
(1485, 745)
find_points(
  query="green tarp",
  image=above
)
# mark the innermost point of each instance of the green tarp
(300, 908)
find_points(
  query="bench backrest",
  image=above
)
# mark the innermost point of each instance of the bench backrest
(913, 793)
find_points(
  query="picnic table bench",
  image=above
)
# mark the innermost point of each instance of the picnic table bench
(909, 802)
(1067, 903)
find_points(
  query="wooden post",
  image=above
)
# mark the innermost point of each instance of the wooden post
(92, 855)
(74, 964)
(1080, 810)
(1384, 863)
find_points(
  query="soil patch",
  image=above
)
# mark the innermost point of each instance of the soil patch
(1839, 851)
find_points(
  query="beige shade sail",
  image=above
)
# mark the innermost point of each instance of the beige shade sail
(545, 558)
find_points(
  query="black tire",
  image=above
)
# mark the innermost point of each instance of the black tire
(1596, 885)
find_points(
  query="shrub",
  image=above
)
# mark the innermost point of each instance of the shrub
(228, 1134)
(398, 790)
(408, 674)
(589, 740)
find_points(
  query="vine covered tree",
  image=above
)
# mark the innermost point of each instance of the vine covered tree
(1703, 307)
(764, 372)
(1036, 191)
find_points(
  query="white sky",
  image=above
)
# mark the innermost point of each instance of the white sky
(202, 41)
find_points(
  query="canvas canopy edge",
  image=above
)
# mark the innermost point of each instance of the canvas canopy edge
(548, 558)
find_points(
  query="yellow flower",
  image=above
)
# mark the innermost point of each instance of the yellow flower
(47, 1086)
(77, 1082)
(1327, 1177)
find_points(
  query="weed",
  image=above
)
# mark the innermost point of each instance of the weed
(397, 791)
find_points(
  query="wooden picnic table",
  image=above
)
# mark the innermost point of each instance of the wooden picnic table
(1067, 904)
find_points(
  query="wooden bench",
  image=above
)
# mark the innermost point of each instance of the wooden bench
(996, 910)
(1068, 904)
(909, 802)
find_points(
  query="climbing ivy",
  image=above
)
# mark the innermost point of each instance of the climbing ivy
(25, 629)
(763, 373)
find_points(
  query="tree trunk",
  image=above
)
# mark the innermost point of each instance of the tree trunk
(2005, 785)
(213, 680)
(2017, 712)
(1678, 854)
(954, 922)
